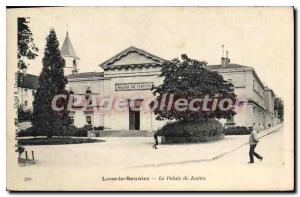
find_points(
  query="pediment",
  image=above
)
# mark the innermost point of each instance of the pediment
(130, 57)
(133, 58)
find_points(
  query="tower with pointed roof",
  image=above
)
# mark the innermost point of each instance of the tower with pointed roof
(70, 56)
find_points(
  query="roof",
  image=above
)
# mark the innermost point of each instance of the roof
(155, 60)
(269, 89)
(28, 81)
(234, 66)
(85, 75)
(228, 66)
(67, 49)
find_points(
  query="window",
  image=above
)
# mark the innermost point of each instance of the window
(88, 120)
(25, 90)
(230, 120)
(72, 120)
(25, 103)
(88, 97)
(33, 92)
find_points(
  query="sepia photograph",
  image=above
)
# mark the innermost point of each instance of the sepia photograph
(150, 99)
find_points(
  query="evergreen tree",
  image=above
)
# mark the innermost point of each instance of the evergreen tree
(47, 121)
(26, 46)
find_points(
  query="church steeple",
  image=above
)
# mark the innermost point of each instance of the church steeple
(67, 49)
(69, 55)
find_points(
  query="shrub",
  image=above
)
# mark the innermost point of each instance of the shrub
(56, 141)
(237, 130)
(27, 132)
(77, 132)
(195, 130)
(72, 131)
(20, 150)
(99, 128)
(24, 115)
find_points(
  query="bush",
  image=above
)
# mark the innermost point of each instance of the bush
(76, 132)
(56, 141)
(26, 132)
(20, 150)
(24, 115)
(237, 130)
(99, 128)
(191, 131)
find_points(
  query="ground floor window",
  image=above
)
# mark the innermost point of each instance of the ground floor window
(88, 120)
(72, 120)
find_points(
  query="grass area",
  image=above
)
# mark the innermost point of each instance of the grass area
(56, 141)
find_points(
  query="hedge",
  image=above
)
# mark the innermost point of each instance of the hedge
(72, 131)
(237, 130)
(191, 131)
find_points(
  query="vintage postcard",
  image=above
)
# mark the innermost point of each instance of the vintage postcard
(150, 99)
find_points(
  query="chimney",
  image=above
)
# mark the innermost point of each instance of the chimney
(227, 60)
(223, 60)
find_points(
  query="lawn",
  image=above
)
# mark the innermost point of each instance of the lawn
(56, 141)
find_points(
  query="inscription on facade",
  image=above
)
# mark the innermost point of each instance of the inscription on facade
(133, 86)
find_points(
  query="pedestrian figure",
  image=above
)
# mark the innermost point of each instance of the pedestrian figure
(253, 140)
(155, 141)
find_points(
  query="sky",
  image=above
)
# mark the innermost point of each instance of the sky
(257, 37)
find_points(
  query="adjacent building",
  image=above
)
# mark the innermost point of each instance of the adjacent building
(27, 86)
(248, 87)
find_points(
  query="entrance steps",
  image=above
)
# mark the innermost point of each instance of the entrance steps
(126, 133)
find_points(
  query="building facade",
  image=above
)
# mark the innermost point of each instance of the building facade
(27, 86)
(130, 74)
(248, 87)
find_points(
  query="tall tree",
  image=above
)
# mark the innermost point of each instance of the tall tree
(279, 107)
(189, 79)
(51, 82)
(26, 46)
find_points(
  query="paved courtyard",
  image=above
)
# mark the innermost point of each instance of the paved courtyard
(221, 165)
(136, 152)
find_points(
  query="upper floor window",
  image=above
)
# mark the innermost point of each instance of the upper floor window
(25, 103)
(88, 93)
(33, 92)
(25, 91)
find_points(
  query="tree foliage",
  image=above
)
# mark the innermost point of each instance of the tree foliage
(51, 82)
(279, 107)
(188, 78)
(24, 115)
(26, 46)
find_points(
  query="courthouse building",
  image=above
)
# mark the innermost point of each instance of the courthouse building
(132, 72)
